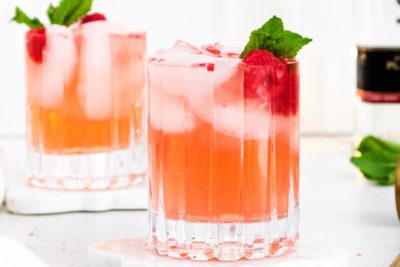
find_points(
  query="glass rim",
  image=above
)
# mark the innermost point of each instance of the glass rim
(221, 63)
(138, 34)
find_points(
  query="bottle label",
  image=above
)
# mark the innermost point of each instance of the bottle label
(378, 69)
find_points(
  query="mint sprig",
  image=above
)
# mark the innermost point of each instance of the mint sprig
(377, 160)
(66, 13)
(21, 17)
(273, 37)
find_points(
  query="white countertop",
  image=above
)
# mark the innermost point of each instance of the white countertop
(337, 208)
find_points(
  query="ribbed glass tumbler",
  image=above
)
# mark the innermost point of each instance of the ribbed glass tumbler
(223, 159)
(85, 95)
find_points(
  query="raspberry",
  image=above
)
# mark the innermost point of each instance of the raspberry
(265, 77)
(93, 17)
(35, 43)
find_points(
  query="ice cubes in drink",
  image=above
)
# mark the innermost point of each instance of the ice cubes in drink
(168, 112)
(95, 70)
(105, 71)
(206, 83)
(59, 62)
(138, 49)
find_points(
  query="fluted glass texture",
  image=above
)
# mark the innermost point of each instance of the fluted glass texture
(85, 101)
(223, 163)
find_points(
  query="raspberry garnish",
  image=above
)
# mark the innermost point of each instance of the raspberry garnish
(273, 80)
(261, 57)
(264, 74)
(35, 43)
(93, 17)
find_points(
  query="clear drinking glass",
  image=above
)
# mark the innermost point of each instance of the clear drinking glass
(85, 107)
(223, 164)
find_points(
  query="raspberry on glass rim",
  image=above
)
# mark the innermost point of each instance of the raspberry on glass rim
(93, 17)
(35, 43)
(269, 76)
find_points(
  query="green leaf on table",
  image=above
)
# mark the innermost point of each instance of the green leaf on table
(377, 160)
(22, 18)
(372, 143)
(273, 37)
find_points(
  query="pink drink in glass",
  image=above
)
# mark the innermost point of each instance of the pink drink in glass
(84, 106)
(223, 160)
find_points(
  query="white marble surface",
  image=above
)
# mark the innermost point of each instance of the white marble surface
(23, 199)
(338, 209)
(134, 253)
(14, 254)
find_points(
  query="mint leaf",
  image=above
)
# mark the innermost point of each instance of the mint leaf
(377, 160)
(50, 13)
(273, 37)
(273, 27)
(21, 17)
(291, 45)
(68, 11)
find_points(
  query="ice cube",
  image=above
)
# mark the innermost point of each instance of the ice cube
(170, 62)
(103, 27)
(231, 52)
(94, 88)
(212, 49)
(59, 62)
(200, 91)
(186, 71)
(186, 47)
(176, 62)
(138, 53)
(211, 83)
(242, 121)
(218, 50)
(169, 113)
(122, 79)
(34, 76)
(129, 72)
(228, 83)
(173, 64)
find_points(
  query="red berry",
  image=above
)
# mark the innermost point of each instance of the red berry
(93, 17)
(287, 102)
(214, 49)
(264, 75)
(35, 43)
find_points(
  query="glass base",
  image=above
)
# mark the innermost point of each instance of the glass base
(94, 171)
(223, 241)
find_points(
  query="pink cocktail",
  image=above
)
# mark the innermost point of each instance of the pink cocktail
(85, 96)
(223, 154)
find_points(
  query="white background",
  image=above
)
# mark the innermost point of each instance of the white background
(327, 65)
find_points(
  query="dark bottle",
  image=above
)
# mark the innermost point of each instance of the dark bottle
(378, 68)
